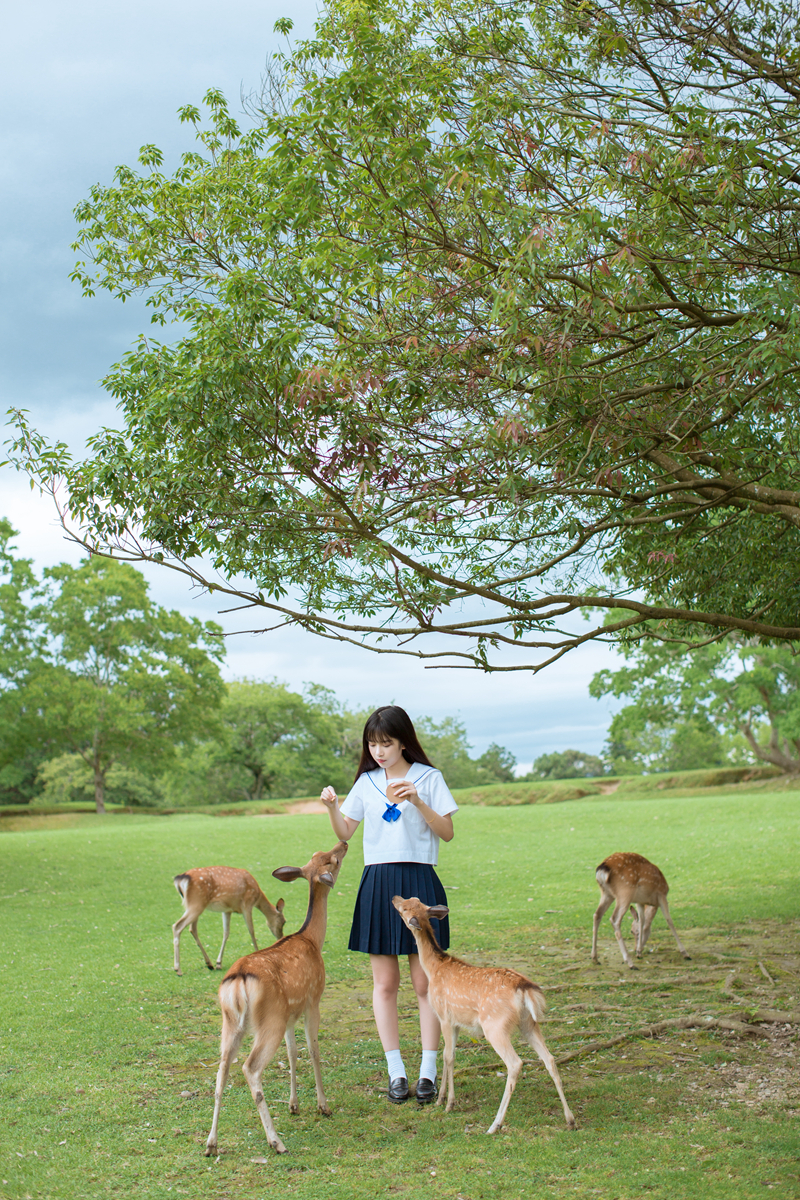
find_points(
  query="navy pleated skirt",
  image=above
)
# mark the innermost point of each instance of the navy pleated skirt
(377, 927)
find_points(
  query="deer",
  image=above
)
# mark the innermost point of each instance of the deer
(495, 1001)
(267, 991)
(629, 880)
(226, 890)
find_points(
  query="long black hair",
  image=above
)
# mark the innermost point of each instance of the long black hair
(387, 722)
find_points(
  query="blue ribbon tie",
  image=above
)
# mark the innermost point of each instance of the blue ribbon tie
(392, 813)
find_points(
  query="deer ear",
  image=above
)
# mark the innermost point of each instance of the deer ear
(414, 923)
(287, 874)
(279, 905)
(327, 878)
(438, 911)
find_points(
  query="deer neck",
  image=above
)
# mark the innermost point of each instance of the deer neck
(429, 953)
(316, 921)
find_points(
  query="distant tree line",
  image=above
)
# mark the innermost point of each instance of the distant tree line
(275, 742)
(105, 695)
(567, 764)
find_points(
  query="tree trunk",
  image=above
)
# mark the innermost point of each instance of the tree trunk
(771, 753)
(99, 780)
(99, 789)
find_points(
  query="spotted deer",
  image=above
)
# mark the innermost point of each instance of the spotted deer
(268, 991)
(629, 880)
(495, 1001)
(226, 890)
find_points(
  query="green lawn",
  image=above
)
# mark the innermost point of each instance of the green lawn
(107, 1059)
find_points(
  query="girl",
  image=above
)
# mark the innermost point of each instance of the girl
(406, 807)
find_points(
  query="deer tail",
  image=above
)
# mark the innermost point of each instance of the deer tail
(602, 874)
(181, 883)
(534, 1001)
(234, 1000)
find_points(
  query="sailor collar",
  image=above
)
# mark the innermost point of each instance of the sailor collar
(415, 774)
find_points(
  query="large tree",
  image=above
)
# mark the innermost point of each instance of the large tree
(681, 704)
(489, 315)
(124, 681)
(276, 742)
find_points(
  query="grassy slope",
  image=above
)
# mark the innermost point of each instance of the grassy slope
(107, 1058)
(630, 787)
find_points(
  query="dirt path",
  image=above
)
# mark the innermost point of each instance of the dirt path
(305, 806)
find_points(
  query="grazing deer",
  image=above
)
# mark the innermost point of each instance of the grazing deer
(493, 1000)
(225, 890)
(269, 990)
(631, 881)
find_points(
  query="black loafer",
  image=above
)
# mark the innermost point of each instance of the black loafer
(398, 1091)
(426, 1090)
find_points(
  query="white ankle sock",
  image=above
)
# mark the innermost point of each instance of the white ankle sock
(394, 1065)
(427, 1069)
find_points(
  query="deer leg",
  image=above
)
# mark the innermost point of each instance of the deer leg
(662, 904)
(312, 1041)
(533, 1035)
(226, 929)
(606, 900)
(263, 1052)
(498, 1037)
(232, 1034)
(247, 913)
(177, 930)
(637, 927)
(448, 1059)
(191, 921)
(291, 1053)
(616, 925)
(646, 915)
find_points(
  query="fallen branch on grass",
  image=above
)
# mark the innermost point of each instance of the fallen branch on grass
(773, 1017)
(697, 1021)
(642, 983)
(767, 1016)
(766, 974)
(727, 987)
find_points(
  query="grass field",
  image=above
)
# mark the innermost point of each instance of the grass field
(107, 1058)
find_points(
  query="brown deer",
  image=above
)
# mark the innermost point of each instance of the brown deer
(631, 880)
(493, 1000)
(267, 992)
(225, 890)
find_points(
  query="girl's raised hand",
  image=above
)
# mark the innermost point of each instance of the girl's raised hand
(329, 797)
(399, 790)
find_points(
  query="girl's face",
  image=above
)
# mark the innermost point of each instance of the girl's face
(386, 754)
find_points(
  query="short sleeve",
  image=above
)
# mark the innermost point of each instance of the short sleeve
(437, 794)
(353, 806)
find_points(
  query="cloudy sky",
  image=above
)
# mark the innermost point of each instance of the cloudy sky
(83, 86)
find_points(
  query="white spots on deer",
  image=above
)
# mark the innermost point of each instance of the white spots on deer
(495, 1001)
(629, 880)
(225, 890)
(270, 990)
